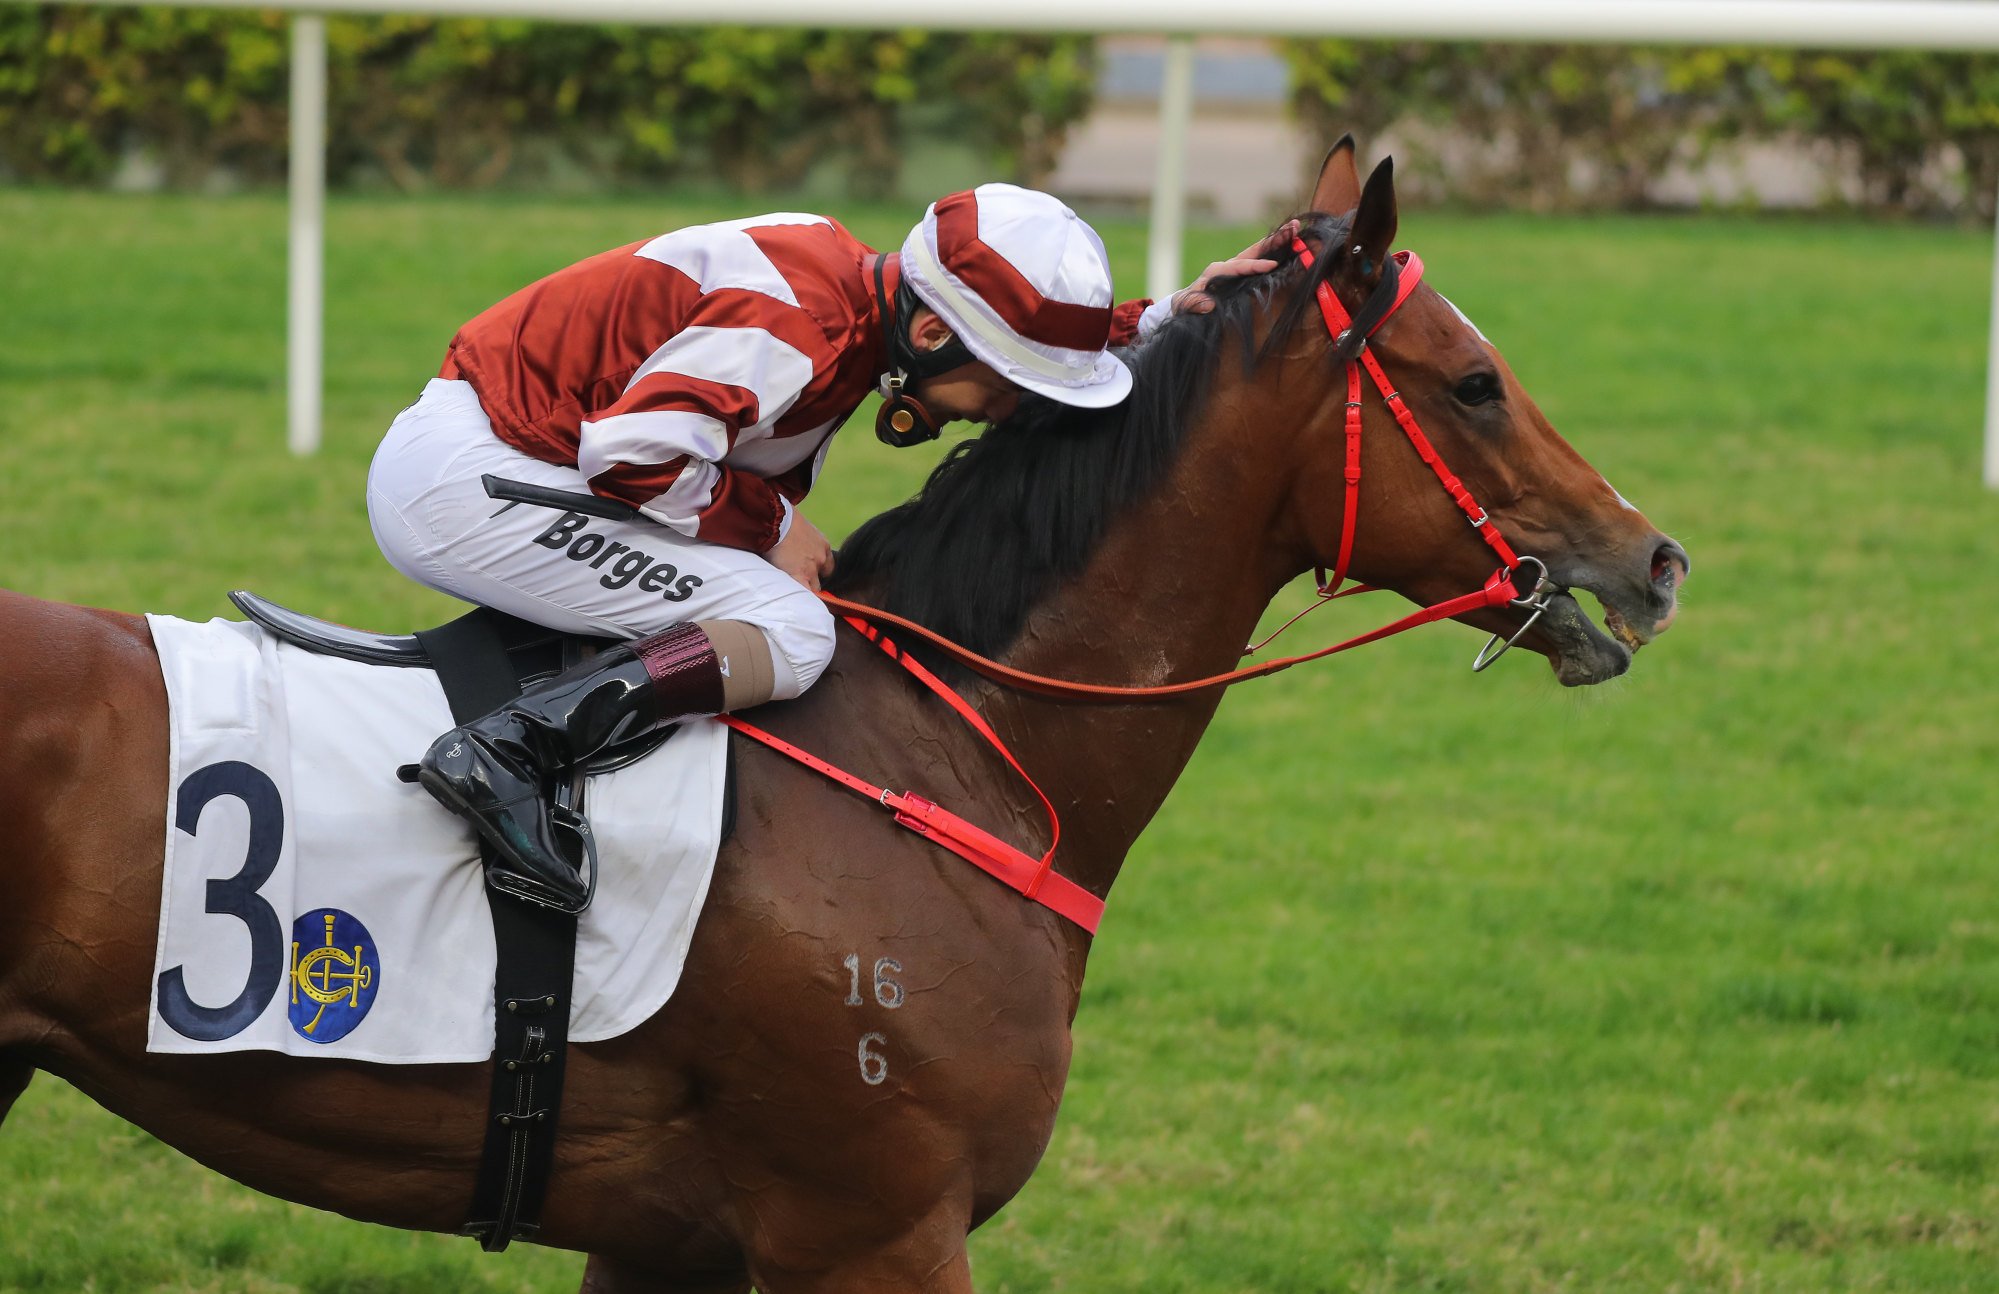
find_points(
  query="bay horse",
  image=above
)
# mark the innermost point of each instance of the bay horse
(865, 1056)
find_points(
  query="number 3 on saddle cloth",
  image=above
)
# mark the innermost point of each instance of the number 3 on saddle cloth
(315, 905)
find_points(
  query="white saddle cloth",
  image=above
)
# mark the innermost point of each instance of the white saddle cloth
(315, 905)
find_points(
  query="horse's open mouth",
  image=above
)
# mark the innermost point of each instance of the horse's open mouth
(1582, 653)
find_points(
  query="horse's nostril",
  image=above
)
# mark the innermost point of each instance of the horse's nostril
(1670, 564)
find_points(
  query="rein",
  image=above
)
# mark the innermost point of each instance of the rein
(1495, 593)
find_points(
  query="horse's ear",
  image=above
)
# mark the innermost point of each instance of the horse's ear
(1374, 222)
(1338, 188)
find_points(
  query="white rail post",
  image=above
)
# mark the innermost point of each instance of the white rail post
(1169, 181)
(306, 288)
(1992, 377)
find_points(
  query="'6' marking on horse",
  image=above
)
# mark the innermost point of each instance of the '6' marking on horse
(236, 897)
(874, 1065)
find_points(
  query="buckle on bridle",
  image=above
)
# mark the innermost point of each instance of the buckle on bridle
(1535, 600)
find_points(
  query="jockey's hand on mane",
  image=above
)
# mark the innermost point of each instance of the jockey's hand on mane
(1254, 259)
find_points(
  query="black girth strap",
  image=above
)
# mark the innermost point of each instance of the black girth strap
(531, 990)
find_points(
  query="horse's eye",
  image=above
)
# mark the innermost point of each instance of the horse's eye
(1479, 388)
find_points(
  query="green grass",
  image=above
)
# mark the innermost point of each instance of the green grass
(1421, 981)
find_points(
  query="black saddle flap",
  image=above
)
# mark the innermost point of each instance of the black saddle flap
(534, 650)
(327, 638)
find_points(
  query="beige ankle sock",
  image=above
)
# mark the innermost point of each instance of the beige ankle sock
(748, 677)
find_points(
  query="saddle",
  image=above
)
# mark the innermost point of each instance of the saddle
(482, 660)
(533, 652)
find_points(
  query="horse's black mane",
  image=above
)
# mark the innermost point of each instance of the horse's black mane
(1009, 514)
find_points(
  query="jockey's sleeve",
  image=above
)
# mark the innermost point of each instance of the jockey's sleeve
(1132, 321)
(723, 381)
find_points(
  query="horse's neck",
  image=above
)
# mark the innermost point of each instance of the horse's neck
(1171, 595)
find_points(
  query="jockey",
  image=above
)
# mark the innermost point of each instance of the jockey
(699, 377)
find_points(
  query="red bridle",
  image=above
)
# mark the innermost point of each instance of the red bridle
(1399, 280)
(1400, 276)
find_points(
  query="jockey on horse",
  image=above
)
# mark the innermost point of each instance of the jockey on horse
(699, 377)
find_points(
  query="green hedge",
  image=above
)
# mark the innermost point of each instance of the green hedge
(1583, 126)
(424, 101)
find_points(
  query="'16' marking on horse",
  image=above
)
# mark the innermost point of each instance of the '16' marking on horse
(887, 992)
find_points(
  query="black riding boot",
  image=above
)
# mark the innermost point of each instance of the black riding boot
(499, 771)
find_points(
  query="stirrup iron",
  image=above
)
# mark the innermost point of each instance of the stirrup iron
(525, 888)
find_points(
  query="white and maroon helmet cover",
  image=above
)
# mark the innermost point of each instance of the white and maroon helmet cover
(1026, 285)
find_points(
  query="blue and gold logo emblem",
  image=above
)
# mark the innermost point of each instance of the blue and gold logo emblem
(334, 974)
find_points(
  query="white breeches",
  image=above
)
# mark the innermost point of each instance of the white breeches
(619, 579)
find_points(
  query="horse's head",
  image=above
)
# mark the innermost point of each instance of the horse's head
(1410, 534)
